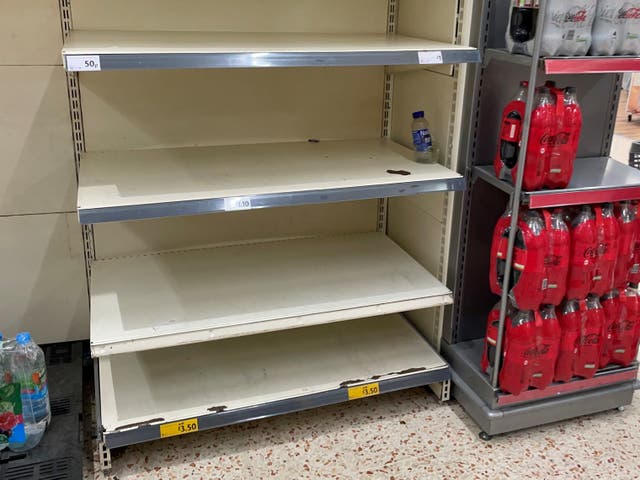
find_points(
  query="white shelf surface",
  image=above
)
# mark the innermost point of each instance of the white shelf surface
(138, 184)
(171, 49)
(172, 384)
(162, 300)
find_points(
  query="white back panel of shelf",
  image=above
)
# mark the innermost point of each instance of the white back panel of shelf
(38, 171)
(424, 19)
(328, 16)
(128, 238)
(222, 107)
(43, 287)
(30, 33)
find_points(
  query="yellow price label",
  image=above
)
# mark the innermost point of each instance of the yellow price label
(361, 391)
(178, 428)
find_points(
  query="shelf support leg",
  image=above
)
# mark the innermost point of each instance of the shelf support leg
(442, 390)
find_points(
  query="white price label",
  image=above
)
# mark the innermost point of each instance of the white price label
(237, 203)
(83, 63)
(427, 58)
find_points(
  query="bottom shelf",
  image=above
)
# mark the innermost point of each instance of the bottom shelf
(464, 359)
(239, 379)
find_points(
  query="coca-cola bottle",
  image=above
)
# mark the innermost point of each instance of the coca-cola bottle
(589, 342)
(522, 26)
(547, 345)
(607, 253)
(626, 244)
(528, 262)
(520, 348)
(584, 247)
(629, 13)
(558, 253)
(614, 312)
(623, 348)
(607, 29)
(634, 271)
(566, 140)
(540, 145)
(570, 318)
(510, 134)
(499, 245)
(491, 338)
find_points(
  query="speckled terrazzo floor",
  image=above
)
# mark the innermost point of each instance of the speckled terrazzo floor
(404, 435)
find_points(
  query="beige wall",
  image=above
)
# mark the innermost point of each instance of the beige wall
(43, 286)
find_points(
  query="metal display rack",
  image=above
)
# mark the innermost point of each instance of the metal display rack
(154, 315)
(597, 178)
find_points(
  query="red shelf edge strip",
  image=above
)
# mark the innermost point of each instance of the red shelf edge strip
(591, 65)
(561, 198)
(563, 388)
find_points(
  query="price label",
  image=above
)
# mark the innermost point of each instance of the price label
(179, 428)
(83, 63)
(430, 58)
(361, 391)
(237, 203)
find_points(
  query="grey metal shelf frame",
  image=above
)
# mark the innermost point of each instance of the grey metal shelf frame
(595, 180)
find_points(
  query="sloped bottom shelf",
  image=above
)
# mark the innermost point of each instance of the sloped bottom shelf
(164, 300)
(245, 378)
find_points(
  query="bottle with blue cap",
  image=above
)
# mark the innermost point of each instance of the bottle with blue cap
(422, 141)
(28, 367)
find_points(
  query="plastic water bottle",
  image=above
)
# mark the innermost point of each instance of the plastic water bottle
(421, 138)
(28, 367)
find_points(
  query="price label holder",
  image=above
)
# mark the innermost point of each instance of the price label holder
(178, 428)
(430, 58)
(83, 63)
(362, 391)
(237, 203)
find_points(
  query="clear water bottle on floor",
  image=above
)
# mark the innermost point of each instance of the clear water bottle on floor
(422, 142)
(28, 367)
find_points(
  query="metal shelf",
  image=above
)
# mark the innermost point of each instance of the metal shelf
(595, 180)
(136, 50)
(464, 359)
(254, 377)
(176, 298)
(571, 65)
(142, 184)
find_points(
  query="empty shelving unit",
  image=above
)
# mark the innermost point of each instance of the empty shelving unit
(211, 306)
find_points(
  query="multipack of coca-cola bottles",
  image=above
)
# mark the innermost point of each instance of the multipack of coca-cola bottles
(554, 134)
(573, 296)
(576, 27)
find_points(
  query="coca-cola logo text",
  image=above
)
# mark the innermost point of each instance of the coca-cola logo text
(590, 252)
(621, 327)
(552, 260)
(537, 351)
(576, 16)
(562, 138)
(591, 339)
(629, 13)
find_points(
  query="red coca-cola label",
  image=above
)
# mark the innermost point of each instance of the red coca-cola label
(629, 13)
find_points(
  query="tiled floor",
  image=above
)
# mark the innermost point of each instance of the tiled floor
(401, 436)
(404, 435)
